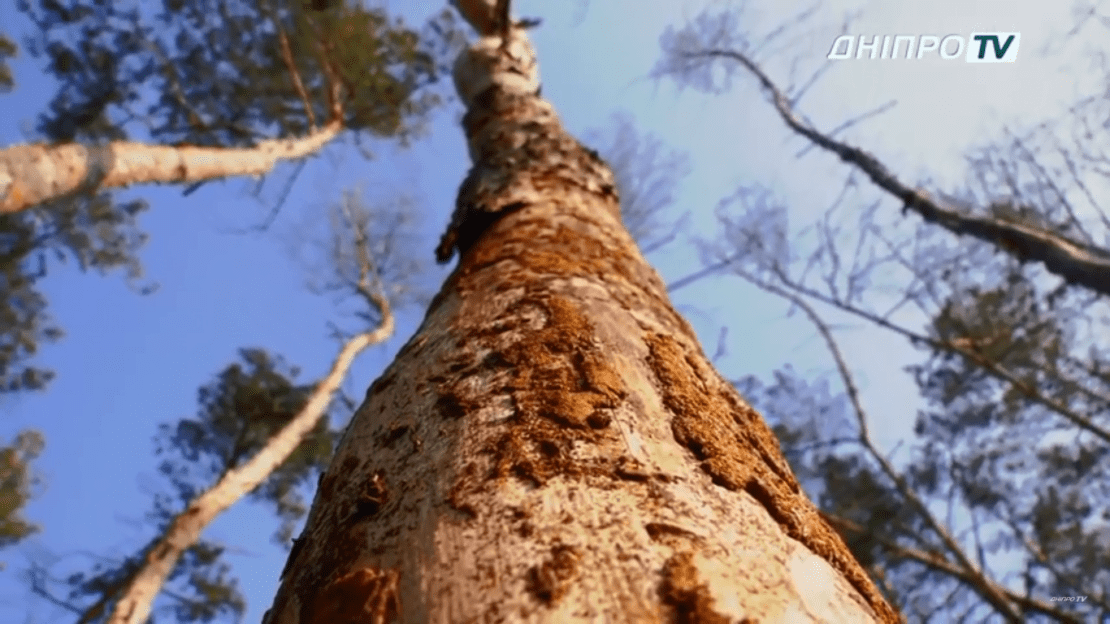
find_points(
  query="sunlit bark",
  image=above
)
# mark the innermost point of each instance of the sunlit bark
(552, 445)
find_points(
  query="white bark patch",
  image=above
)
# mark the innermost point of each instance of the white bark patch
(488, 63)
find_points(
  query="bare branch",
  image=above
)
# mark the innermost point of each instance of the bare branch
(976, 576)
(294, 74)
(1074, 261)
(938, 563)
(962, 349)
(185, 528)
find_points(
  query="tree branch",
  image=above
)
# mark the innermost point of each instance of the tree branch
(936, 562)
(1075, 262)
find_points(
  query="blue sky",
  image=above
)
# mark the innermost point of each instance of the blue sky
(130, 362)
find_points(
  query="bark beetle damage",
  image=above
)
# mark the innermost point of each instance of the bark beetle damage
(551, 580)
(561, 387)
(363, 596)
(739, 452)
(690, 599)
(560, 374)
(370, 500)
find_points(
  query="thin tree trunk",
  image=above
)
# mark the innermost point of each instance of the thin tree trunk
(32, 174)
(552, 445)
(135, 602)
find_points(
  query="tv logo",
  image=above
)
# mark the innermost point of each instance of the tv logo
(983, 47)
(999, 48)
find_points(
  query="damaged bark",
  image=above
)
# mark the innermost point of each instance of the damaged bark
(553, 445)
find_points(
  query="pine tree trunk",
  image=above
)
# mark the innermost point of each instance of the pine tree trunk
(552, 445)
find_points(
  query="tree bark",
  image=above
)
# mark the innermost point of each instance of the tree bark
(552, 445)
(32, 174)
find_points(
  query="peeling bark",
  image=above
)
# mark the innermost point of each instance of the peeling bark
(553, 445)
(32, 174)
